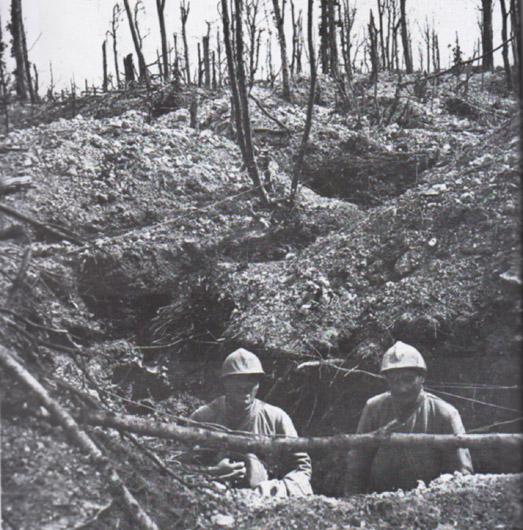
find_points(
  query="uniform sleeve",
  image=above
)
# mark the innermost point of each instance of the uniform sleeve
(359, 461)
(204, 414)
(297, 467)
(455, 459)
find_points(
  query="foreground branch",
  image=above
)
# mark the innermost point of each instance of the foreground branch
(80, 439)
(31, 220)
(273, 444)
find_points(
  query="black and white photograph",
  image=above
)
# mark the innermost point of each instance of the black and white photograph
(260, 265)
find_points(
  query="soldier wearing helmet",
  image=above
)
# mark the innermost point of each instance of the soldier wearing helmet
(406, 408)
(239, 410)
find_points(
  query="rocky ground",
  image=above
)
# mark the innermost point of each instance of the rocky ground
(408, 230)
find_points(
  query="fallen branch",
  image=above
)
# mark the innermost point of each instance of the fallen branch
(268, 114)
(273, 444)
(31, 220)
(79, 437)
(334, 363)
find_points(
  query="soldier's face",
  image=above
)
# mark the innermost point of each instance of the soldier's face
(405, 384)
(241, 390)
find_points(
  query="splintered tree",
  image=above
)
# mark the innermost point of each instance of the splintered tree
(515, 18)
(278, 19)
(24, 87)
(310, 107)
(297, 40)
(487, 35)
(135, 34)
(185, 7)
(504, 38)
(160, 7)
(239, 94)
(405, 37)
(373, 48)
(115, 22)
(252, 10)
(347, 14)
(328, 46)
(105, 80)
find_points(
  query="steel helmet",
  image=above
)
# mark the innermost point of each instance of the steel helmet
(241, 361)
(402, 355)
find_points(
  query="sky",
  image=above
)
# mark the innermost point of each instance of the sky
(68, 34)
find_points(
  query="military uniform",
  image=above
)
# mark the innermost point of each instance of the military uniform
(388, 468)
(293, 473)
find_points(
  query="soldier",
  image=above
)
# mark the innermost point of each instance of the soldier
(406, 408)
(239, 410)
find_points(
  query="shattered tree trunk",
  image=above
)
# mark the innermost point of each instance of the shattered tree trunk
(515, 18)
(74, 433)
(142, 68)
(266, 444)
(128, 69)
(114, 27)
(249, 160)
(405, 37)
(232, 77)
(286, 83)
(160, 7)
(17, 50)
(104, 60)
(504, 38)
(373, 49)
(184, 13)
(487, 35)
(310, 106)
(27, 64)
(206, 61)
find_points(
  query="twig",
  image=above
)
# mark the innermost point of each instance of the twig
(333, 363)
(268, 114)
(80, 438)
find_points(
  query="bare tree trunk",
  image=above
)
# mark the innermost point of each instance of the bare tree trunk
(214, 82)
(487, 35)
(160, 7)
(381, 9)
(244, 108)
(232, 77)
(515, 18)
(200, 70)
(26, 56)
(104, 61)
(185, 7)
(17, 51)
(206, 61)
(405, 37)
(278, 19)
(128, 69)
(310, 106)
(114, 26)
(504, 38)
(3, 84)
(219, 65)
(142, 68)
(373, 49)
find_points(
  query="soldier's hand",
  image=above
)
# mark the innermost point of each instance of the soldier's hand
(227, 470)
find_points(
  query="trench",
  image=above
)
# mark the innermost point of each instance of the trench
(188, 328)
(368, 179)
